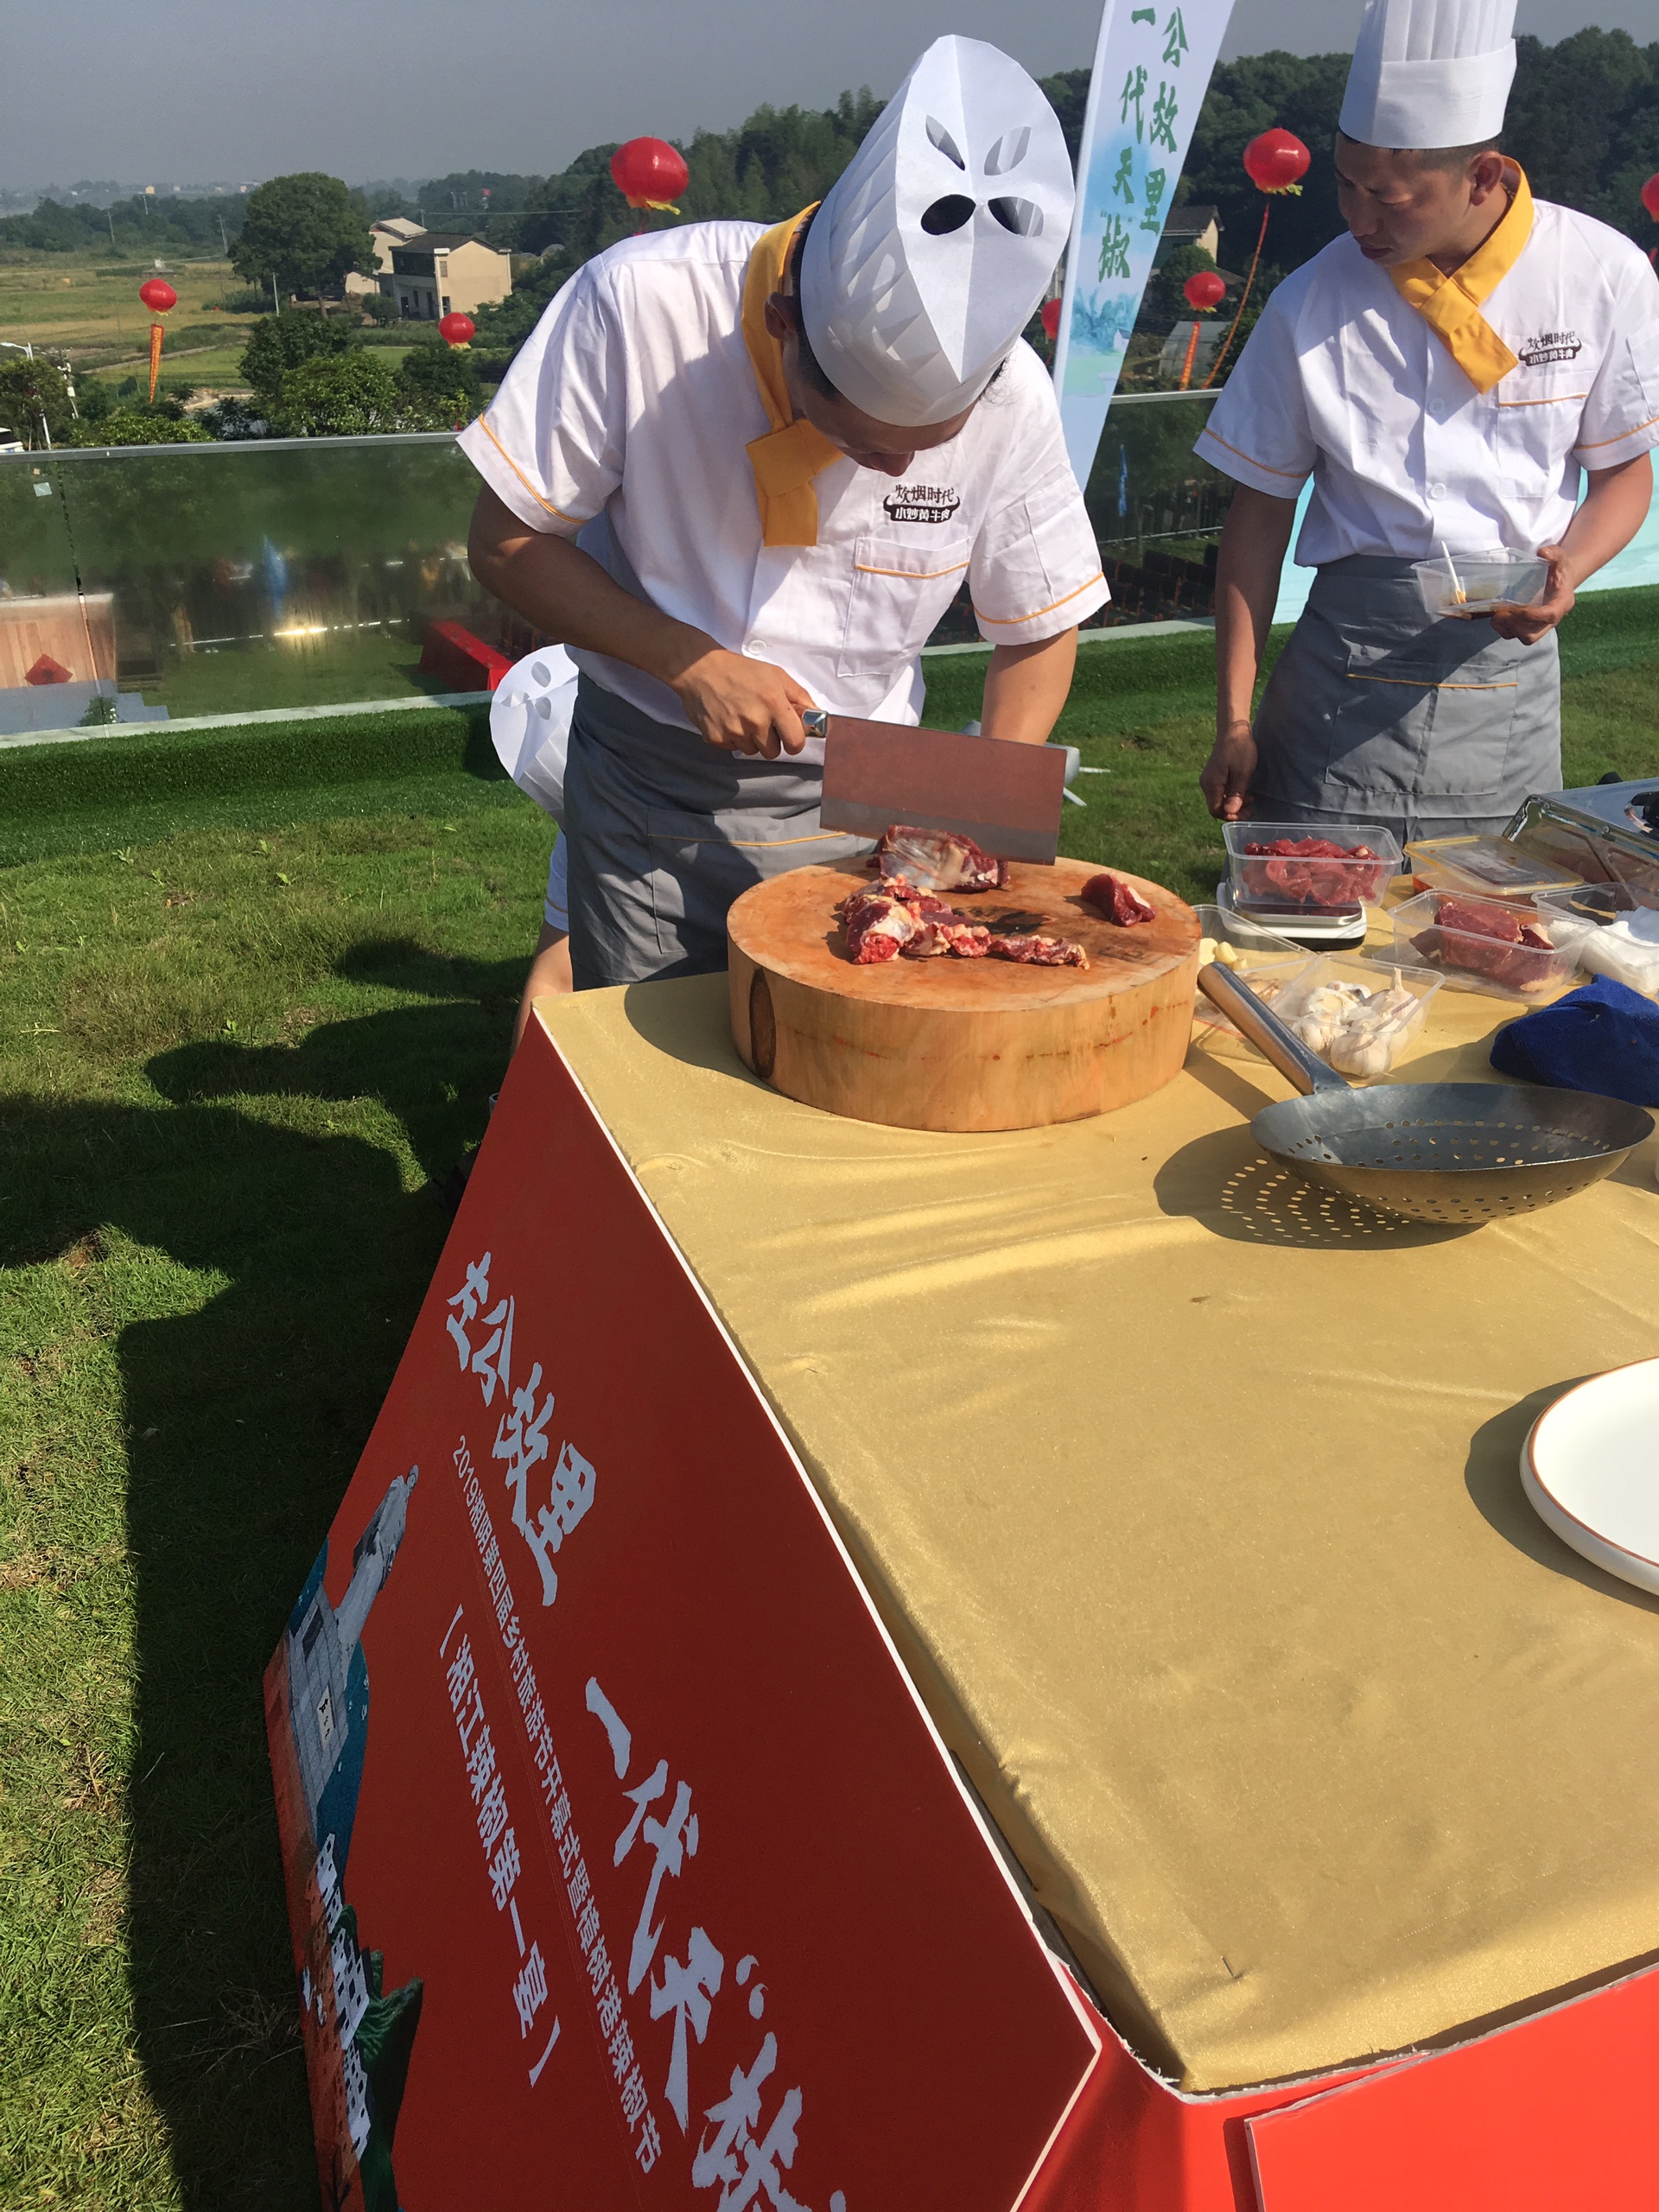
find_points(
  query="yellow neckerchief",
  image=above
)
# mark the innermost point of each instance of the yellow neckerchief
(791, 453)
(1450, 305)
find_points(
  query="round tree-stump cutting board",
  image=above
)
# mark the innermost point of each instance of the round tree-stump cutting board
(947, 1044)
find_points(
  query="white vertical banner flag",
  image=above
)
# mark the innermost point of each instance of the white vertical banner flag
(1151, 68)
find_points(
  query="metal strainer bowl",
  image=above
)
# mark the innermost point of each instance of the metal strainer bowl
(1443, 1152)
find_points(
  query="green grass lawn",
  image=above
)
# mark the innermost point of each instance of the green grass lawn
(182, 368)
(255, 988)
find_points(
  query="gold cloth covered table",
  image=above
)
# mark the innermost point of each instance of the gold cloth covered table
(1192, 1500)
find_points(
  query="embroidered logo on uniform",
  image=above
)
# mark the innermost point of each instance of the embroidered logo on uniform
(1550, 346)
(922, 502)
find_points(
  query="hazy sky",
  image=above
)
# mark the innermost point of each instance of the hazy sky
(181, 91)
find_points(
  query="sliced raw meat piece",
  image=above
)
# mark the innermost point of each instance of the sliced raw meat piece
(920, 927)
(935, 859)
(966, 940)
(1476, 918)
(1525, 962)
(1116, 902)
(878, 928)
(1299, 872)
(1038, 951)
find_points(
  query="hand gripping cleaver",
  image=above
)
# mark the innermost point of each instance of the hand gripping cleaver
(1005, 796)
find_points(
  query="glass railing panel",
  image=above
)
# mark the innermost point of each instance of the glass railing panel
(283, 574)
(1157, 511)
(194, 579)
(240, 578)
(56, 654)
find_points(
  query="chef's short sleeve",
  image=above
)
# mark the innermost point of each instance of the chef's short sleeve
(1621, 416)
(1035, 567)
(550, 443)
(1258, 432)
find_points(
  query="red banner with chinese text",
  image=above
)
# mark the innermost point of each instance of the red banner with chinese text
(624, 1865)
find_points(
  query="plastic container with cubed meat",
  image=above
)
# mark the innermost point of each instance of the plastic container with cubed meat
(1299, 1002)
(1427, 935)
(1483, 867)
(1591, 921)
(1485, 583)
(1286, 884)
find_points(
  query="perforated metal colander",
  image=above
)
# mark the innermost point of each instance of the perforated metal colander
(1445, 1152)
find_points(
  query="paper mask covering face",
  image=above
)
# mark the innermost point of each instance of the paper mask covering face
(1430, 72)
(934, 247)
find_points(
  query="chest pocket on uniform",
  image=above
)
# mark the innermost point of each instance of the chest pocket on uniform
(1537, 422)
(901, 586)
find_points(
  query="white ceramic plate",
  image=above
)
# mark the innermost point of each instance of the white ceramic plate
(1591, 1468)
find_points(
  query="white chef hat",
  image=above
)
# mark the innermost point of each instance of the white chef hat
(935, 246)
(1430, 72)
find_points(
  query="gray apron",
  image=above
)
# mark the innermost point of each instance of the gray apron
(1377, 712)
(666, 831)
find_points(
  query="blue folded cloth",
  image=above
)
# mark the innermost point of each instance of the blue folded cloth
(1603, 1038)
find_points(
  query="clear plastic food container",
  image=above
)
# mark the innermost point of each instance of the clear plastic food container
(1483, 867)
(1267, 967)
(1486, 583)
(1359, 1015)
(1477, 945)
(1610, 929)
(1316, 882)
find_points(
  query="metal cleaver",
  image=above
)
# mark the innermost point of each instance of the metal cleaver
(1005, 796)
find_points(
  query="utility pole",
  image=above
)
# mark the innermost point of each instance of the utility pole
(110, 217)
(275, 304)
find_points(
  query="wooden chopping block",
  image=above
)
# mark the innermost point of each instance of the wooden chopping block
(947, 1044)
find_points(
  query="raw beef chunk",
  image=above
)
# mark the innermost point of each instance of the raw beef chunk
(909, 858)
(1116, 902)
(879, 928)
(1307, 872)
(1488, 940)
(1040, 951)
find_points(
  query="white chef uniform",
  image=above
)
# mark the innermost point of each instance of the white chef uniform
(1375, 713)
(625, 422)
(634, 399)
(1343, 381)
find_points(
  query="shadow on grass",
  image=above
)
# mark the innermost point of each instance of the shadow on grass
(245, 1419)
(433, 1066)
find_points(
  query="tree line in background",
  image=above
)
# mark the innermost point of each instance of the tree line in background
(1583, 122)
(308, 376)
(142, 225)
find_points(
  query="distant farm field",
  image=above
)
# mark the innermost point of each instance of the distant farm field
(87, 305)
(86, 308)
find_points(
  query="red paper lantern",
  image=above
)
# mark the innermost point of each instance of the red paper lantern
(1276, 161)
(1051, 317)
(1205, 289)
(1650, 196)
(457, 329)
(649, 173)
(158, 294)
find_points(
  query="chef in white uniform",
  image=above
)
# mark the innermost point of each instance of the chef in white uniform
(1443, 373)
(743, 472)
